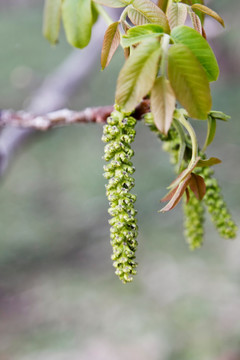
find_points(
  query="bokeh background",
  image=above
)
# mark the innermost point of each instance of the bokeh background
(59, 297)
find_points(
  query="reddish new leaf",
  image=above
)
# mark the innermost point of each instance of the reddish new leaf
(184, 173)
(177, 14)
(187, 195)
(111, 42)
(150, 12)
(169, 195)
(197, 185)
(196, 22)
(177, 194)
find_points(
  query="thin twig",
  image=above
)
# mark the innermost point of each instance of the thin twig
(63, 117)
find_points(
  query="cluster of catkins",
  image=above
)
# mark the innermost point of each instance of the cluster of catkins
(119, 133)
(194, 209)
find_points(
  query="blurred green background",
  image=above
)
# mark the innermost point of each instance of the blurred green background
(59, 297)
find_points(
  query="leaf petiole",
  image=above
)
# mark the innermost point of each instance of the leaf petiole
(124, 14)
(179, 115)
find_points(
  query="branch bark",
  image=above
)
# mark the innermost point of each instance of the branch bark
(63, 117)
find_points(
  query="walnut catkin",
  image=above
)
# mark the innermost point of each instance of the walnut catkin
(119, 133)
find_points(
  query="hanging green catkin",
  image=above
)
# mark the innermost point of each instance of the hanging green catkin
(193, 221)
(216, 205)
(119, 133)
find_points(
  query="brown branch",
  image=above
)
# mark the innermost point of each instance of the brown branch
(63, 117)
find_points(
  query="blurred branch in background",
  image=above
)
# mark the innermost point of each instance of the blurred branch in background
(54, 93)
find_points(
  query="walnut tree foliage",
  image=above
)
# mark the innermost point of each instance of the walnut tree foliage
(171, 66)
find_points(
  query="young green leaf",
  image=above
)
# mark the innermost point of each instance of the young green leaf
(77, 21)
(136, 17)
(138, 74)
(219, 115)
(189, 81)
(95, 13)
(199, 47)
(137, 34)
(209, 12)
(151, 12)
(51, 20)
(111, 42)
(144, 29)
(211, 130)
(208, 162)
(112, 3)
(176, 14)
(191, 2)
(162, 104)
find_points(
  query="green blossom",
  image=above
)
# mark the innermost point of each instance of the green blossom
(119, 133)
(216, 205)
(193, 221)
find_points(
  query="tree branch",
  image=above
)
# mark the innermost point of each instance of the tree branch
(63, 117)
